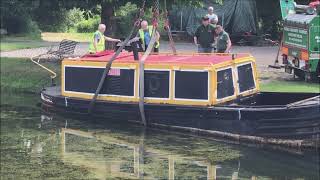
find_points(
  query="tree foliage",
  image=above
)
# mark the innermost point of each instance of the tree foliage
(17, 15)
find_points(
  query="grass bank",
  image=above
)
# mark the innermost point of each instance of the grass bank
(22, 75)
(290, 86)
(9, 43)
(9, 46)
(57, 37)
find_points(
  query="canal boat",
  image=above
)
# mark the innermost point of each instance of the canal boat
(207, 94)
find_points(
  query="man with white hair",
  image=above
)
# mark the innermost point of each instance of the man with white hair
(213, 18)
(97, 44)
(145, 34)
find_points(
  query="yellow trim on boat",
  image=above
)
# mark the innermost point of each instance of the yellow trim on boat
(212, 81)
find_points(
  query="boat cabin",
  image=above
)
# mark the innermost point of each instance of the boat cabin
(183, 79)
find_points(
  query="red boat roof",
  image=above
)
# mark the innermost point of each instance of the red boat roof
(164, 58)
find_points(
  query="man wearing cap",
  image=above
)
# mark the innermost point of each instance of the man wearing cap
(204, 36)
(223, 40)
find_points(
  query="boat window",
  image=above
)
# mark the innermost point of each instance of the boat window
(86, 80)
(156, 84)
(245, 77)
(225, 86)
(191, 85)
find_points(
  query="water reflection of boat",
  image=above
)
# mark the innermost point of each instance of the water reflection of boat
(128, 161)
(206, 94)
(112, 155)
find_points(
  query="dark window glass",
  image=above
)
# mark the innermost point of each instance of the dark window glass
(225, 83)
(82, 79)
(246, 80)
(156, 84)
(191, 85)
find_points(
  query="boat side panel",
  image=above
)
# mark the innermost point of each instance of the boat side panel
(304, 122)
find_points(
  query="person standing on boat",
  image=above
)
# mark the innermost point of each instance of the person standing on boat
(223, 40)
(213, 18)
(204, 36)
(97, 43)
(145, 34)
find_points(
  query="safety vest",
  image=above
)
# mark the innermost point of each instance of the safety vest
(141, 34)
(100, 44)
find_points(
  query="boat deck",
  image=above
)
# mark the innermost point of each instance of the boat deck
(166, 58)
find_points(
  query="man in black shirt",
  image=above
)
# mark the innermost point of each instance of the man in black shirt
(204, 36)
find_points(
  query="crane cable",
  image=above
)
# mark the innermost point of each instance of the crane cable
(103, 79)
(144, 57)
(168, 29)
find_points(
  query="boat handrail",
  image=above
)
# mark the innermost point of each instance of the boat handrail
(53, 74)
(302, 101)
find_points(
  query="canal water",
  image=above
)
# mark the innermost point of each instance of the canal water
(35, 145)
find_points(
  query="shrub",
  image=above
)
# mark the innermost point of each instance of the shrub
(89, 25)
(73, 17)
(52, 20)
(21, 25)
(32, 29)
(126, 15)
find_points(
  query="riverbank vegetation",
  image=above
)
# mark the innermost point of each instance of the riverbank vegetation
(57, 37)
(22, 75)
(290, 86)
(22, 41)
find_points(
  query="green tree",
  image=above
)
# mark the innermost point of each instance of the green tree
(16, 16)
(51, 14)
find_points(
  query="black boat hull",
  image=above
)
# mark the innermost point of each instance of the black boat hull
(297, 125)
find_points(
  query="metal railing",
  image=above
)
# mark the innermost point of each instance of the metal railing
(53, 74)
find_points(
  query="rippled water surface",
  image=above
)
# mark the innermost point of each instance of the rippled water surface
(35, 145)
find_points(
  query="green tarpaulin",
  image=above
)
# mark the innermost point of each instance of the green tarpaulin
(237, 16)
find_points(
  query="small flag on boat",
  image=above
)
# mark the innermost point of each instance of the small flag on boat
(114, 72)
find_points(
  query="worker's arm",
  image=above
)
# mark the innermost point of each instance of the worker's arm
(95, 42)
(195, 40)
(196, 35)
(158, 36)
(229, 44)
(111, 39)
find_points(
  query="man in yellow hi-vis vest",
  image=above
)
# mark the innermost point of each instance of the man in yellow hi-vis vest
(145, 34)
(97, 43)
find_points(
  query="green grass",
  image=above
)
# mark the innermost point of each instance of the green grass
(9, 46)
(290, 86)
(24, 76)
(9, 43)
(57, 37)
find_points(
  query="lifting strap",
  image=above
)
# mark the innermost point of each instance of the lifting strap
(116, 54)
(144, 57)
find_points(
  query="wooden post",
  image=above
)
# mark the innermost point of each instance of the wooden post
(171, 167)
(63, 142)
(136, 163)
(211, 172)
